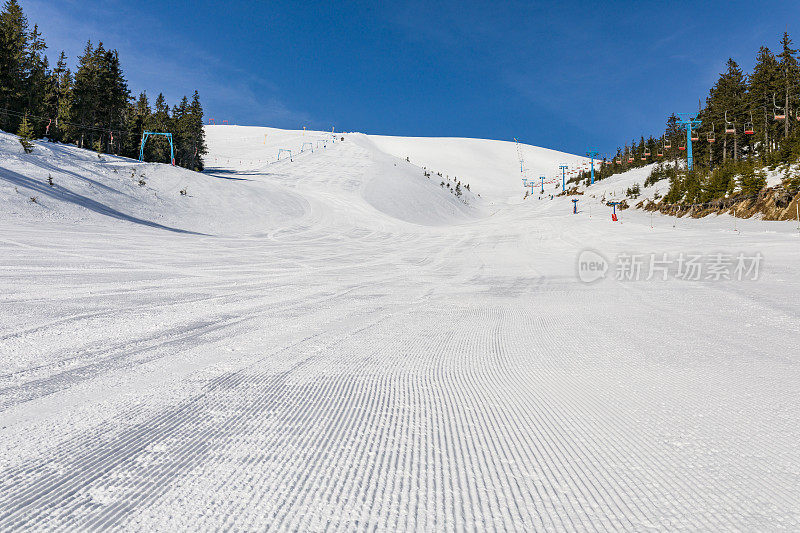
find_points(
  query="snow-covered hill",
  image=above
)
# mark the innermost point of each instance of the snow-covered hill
(491, 167)
(338, 342)
(103, 189)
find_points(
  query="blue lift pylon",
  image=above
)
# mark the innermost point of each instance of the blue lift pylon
(563, 178)
(690, 122)
(592, 152)
(147, 134)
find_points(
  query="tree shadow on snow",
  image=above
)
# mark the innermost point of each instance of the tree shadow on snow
(61, 193)
(218, 173)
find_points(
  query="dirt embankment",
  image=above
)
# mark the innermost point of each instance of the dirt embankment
(772, 203)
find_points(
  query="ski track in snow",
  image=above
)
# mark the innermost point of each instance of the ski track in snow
(339, 367)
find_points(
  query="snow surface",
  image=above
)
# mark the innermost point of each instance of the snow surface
(337, 342)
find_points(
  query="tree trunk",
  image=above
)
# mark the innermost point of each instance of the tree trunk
(725, 150)
(735, 147)
(786, 112)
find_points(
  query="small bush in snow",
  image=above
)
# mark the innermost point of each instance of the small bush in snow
(50, 180)
(142, 183)
(26, 135)
(183, 192)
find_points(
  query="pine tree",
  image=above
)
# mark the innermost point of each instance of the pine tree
(180, 132)
(137, 117)
(159, 121)
(36, 69)
(100, 96)
(115, 97)
(13, 47)
(58, 100)
(197, 134)
(25, 134)
(763, 83)
(672, 134)
(84, 96)
(729, 95)
(789, 75)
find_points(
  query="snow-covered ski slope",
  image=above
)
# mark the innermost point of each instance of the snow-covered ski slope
(337, 342)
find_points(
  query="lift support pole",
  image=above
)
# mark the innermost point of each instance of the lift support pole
(690, 122)
(592, 152)
(563, 178)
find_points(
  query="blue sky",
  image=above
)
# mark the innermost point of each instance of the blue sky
(564, 75)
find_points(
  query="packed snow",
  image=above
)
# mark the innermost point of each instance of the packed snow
(338, 341)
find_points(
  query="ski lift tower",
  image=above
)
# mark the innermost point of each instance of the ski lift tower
(688, 121)
(147, 134)
(542, 178)
(592, 152)
(519, 156)
(563, 178)
(614, 207)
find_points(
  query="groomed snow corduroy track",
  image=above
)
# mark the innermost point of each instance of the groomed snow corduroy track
(350, 370)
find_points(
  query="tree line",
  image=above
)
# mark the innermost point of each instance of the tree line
(748, 122)
(92, 107)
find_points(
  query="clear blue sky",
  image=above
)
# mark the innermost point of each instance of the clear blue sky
(562, 75)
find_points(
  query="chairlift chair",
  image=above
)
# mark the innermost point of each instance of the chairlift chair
(780, 112)
(710, 136)
(695, 135)
(682, 146)
(630, 158)
(660, 153)
(667, 144)
(748, 126)
(730, 127)
(647, 152)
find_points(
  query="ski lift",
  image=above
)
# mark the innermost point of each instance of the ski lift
(695, 135)
(748, 126)
(667, 144)
(644, 157)
(647, 152)
(710, 136)
(682, 146)
(630, 158)
(780, 112)
(660, 153)
(730, 127)
(618, 161)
